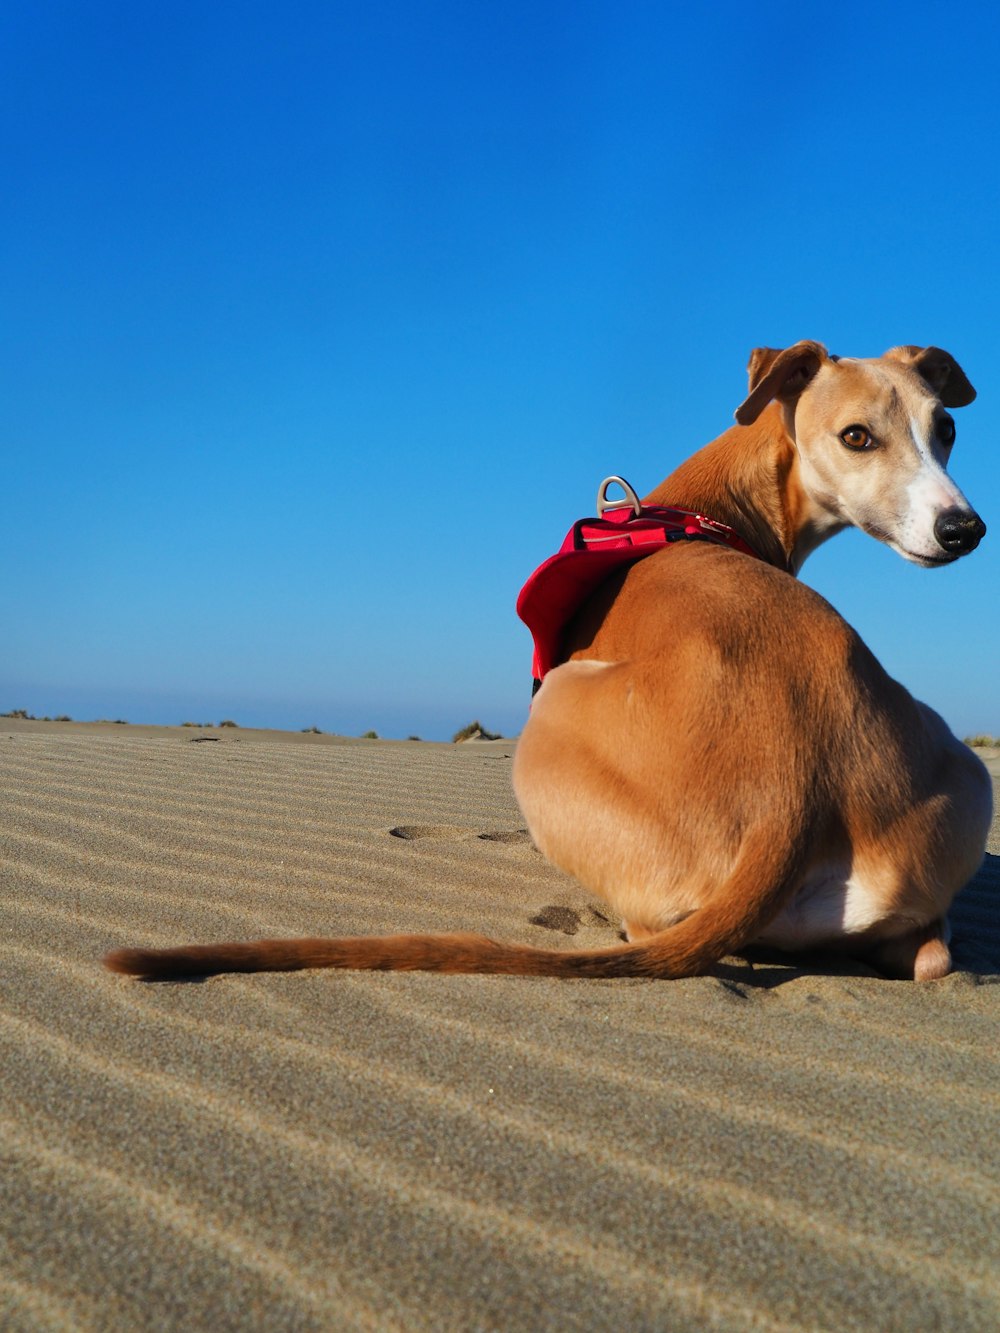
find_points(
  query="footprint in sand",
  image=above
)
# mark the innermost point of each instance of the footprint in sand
(452, 833)
(441, 832)
(558, 918)
(569, 920)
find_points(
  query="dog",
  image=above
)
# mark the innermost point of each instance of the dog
(718, 755)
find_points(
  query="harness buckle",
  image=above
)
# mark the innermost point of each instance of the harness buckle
(712, 525)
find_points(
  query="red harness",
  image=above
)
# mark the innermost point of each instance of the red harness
(593, 549)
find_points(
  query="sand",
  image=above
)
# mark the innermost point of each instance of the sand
(768, 1147)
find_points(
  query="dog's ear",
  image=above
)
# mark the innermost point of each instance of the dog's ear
(939, 370)
(779, 374)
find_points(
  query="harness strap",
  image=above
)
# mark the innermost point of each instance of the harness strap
(591, 551)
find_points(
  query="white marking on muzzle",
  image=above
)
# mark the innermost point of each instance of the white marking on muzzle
(929, 493)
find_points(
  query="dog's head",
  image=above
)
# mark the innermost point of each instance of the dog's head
(873, 439)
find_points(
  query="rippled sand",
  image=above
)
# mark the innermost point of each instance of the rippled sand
(767, 1147)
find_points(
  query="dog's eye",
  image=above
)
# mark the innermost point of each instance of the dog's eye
(946, 431)
(856, 437)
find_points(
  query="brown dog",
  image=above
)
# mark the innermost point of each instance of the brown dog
(721, 758)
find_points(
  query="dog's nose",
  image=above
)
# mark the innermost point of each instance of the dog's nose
(959, 531)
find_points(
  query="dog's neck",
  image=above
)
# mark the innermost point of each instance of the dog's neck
(749, 478)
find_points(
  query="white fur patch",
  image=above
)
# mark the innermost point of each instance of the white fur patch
(928, 494)
(826, 908)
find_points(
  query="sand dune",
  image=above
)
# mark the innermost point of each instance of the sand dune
(767, 1147)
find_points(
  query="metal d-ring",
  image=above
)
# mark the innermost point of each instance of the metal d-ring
(630, 497)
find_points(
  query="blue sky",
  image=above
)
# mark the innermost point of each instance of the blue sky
(322, 322)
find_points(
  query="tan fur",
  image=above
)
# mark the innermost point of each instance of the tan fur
(720, 757)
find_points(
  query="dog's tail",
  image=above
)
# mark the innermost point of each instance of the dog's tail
(766, 873)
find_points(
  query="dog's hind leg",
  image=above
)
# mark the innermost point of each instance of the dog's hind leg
(919, 955)
(641, 817)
